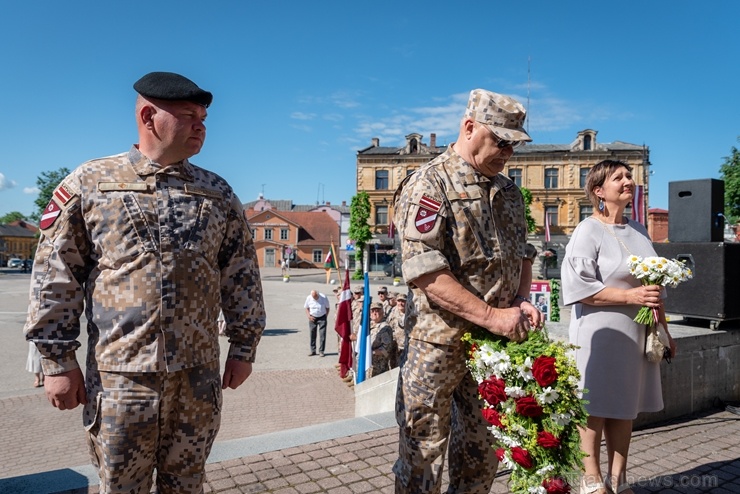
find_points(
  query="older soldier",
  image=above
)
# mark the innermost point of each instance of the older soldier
(151, 247)
(466, 260)
(385, 352)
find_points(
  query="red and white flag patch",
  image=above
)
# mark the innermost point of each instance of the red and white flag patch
(63, 195)
(426, 217)
(50, 215)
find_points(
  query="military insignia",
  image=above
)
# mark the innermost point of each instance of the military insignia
(63, 195)
(426, 217)
(50, 215)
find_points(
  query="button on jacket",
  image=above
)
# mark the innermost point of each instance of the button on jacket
(151, 253)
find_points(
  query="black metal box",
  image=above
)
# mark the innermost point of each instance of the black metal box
(714, 292)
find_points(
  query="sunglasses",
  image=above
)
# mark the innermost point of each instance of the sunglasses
(502, 143)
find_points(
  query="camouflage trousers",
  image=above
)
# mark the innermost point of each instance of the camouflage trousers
(438, 410)
(140, 422)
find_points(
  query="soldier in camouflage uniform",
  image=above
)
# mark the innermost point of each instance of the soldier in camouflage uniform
(151, 247)
(396, 321)
(385, 352)
(384, 299)
(467, 263)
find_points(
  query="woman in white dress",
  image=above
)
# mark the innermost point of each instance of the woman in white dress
(33, 364)
(620, 381)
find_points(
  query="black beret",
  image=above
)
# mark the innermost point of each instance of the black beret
(171, 86)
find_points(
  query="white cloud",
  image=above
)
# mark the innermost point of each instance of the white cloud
(302, 116)
(31, 190)
(5, 183)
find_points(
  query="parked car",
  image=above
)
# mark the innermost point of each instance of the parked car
(15, 263)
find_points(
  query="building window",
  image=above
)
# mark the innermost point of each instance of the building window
(551, 213)
(585, 211)
(318, 256)
(582, 179)
(381, 215)
(409, 171)
(381, 179)
(254, 233)
(551, 178)
(284, 234)
(516, 175)
(268, 233)
(587, 143)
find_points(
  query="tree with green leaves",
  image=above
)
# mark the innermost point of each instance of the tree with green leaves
(359, 230)
(730, 172)
(531, 225)
(47, 182)
(11, 217)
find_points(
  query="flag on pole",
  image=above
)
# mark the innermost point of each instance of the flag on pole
(365, 355)
(547, 227)
(638, 204)
(329, 259)
(343, 326)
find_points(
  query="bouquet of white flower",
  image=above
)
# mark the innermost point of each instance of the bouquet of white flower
(656, 271)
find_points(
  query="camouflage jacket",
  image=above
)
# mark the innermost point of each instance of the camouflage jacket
(450, 216)
(151, 254)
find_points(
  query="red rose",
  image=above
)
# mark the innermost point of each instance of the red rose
(500, 453)
(528, 407)
(556, 485)
(522, 457)
(492, 417)
(544, 371)
(493, 391)
(547, 440)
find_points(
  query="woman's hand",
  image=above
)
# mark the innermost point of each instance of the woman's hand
(645, 295)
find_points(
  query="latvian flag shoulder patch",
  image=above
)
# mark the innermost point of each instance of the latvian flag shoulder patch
(426, 216)
(61, 196)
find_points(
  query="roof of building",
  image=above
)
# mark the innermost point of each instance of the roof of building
(528, 149)
(317, 228)
(16, 231)
(287, 205)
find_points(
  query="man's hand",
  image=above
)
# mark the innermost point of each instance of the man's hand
(66, 390)
(533, 314)
(512, 323)
(235, 373)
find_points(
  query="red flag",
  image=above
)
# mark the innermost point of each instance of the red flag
(547, 227)
(638, 204)
(329, 259)
(343, 326)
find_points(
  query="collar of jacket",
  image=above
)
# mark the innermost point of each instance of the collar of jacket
(143, 166)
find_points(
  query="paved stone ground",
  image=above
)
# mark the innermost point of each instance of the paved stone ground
(289, 391)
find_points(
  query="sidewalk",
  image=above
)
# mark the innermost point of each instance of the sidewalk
(698, 454)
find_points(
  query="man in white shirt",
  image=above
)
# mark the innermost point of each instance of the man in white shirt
(317, 310)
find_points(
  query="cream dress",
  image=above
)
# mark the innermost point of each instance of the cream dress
(620, 381)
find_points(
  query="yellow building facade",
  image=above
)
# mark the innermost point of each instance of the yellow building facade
(554, 174)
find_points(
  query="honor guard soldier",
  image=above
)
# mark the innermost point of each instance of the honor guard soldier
(467, 263)
(150, 247)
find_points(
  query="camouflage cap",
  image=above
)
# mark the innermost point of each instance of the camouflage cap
(358, 289)
(376, 305)
(502, 114)
(401, 297)
(382, 289)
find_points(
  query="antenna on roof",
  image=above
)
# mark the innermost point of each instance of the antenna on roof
(529, 63)
(320, 191)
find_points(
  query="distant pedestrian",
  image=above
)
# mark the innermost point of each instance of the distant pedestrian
(317, 309)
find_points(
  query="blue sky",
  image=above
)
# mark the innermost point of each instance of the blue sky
(299, 87)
